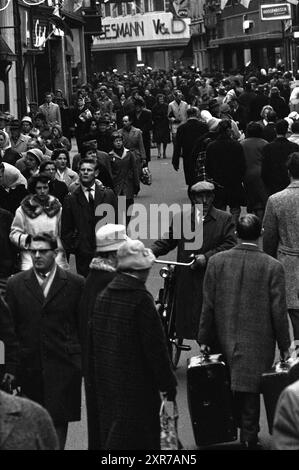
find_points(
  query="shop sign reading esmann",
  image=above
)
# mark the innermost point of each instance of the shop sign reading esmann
(143, 28)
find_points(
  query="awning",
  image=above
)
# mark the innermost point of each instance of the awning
(245, 38)
(188, 50)
(6, 53)
(72, 19)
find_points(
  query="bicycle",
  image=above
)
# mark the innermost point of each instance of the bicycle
(166, 309)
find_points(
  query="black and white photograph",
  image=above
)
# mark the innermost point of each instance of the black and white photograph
(149, 229)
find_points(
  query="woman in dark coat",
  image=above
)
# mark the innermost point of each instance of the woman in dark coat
(161, 133)
(225, 164)
(255, 190)
(102, 271)
(131, 359)
(124, 170)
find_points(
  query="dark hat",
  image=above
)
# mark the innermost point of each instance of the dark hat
(33, 102)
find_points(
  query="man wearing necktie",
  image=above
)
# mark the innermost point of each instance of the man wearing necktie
(44, 303)
(79, 220)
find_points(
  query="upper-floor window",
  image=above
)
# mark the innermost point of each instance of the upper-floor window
(132, 8)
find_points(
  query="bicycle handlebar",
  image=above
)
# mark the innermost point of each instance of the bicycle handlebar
(175, 263)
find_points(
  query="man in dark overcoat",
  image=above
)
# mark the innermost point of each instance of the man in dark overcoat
(217, 235)
(101, 272)
(44, 302)
(244, 301)
(79, 215)
(187, 135)
(275, 155)
(131, 359)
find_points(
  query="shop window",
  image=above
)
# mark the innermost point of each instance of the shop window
(158, 5)
(147, 6)
(107, 9)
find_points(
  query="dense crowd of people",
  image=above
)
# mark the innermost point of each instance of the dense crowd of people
(238, 137)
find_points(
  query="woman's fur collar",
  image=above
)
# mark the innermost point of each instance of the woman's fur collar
(33, 207)
(102, 264)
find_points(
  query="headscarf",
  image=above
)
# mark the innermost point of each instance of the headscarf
(12, 177)
(211, 121)
(7, 143)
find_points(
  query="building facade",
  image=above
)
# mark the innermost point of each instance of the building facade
(146, 32)
(230, 34)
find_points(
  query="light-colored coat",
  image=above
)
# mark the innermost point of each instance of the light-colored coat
(286, 420)
(25, 425)
(51, 112)
(244, 300)
(281, 237)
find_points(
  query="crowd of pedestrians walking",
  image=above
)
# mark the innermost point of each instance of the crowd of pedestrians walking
(237, 135)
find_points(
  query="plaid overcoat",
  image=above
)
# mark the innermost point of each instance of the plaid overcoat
(131, 365)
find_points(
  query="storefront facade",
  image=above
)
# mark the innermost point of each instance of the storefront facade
(161, 37)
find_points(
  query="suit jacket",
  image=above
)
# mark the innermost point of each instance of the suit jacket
(281, 224)
(78, 225)
(52, 113)
(24, 425)
(48, 334)
(186, 136)
(244, 301)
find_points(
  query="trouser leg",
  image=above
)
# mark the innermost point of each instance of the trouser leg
(247, 410)
(294, 316)
(61, 431)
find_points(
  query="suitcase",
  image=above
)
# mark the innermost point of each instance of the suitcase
(210, 400)
(272, 384)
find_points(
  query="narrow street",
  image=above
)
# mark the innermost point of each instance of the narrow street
(168, 187)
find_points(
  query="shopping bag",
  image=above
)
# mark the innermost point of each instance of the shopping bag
(169, 439)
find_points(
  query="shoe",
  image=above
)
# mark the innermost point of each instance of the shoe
(159, 156)
(164, 156)
(251, 445)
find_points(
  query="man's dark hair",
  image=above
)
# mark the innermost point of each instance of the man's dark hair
(192, 112)
(282, 127)
(41, 116)
(295, 127)
(47, 238)
(88, 160)
(293, 164)
(44, 164)
(254, 129)
(272, 116)
(39, 178)
(249, 227)
(57, 152)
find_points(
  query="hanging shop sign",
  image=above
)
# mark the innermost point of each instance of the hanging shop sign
(276, 11)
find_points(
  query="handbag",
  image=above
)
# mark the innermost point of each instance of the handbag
(169, 439)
